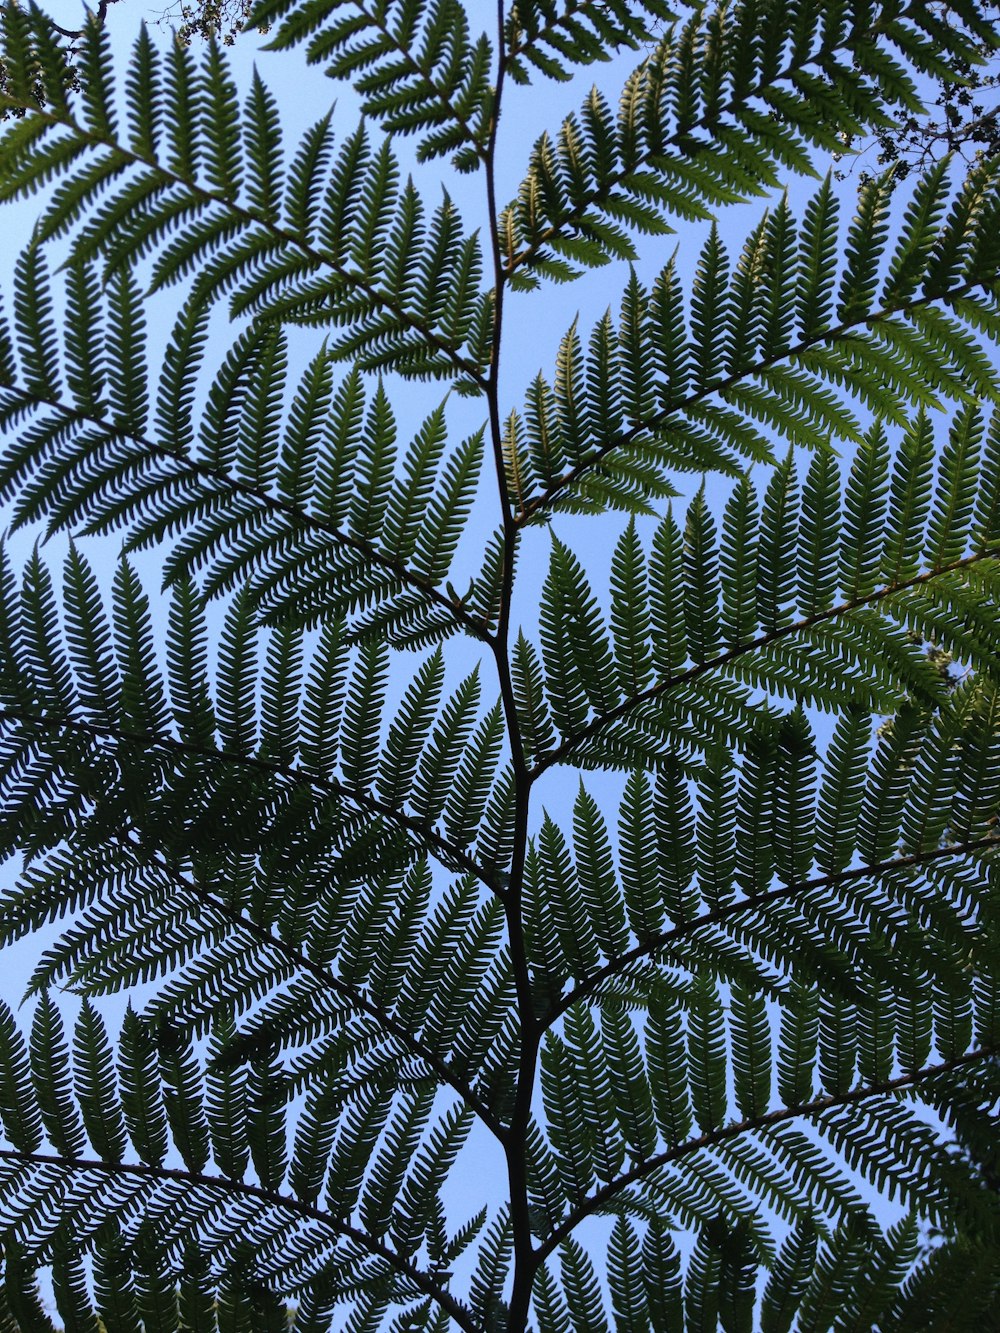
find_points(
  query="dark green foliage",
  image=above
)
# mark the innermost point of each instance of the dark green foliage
(365, 954)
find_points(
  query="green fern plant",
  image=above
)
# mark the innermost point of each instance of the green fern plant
(699, 1027)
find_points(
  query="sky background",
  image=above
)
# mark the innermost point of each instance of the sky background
(534, 325)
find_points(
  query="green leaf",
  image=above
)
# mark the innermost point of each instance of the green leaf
(96, 1086)
(668, 600)
(787, 1280)
(638, 860)
(865, 243)
(630, 619)
(19, 1110)
(409, 731)
(141, 1093)
(842, 791)
(817, 265)
(576, 651)
(595, 872)
(909, 502)
(864, 516)
(958, 476)
(776, 548)
(738, 566)
(797, 1045)
(751, 1053)
(708, 311)
(182, 1097)
(707, 1057)
(701, 591)
(50, 1072)
(362, 716)
(819, 534)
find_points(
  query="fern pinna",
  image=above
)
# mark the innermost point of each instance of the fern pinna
(690, 1031)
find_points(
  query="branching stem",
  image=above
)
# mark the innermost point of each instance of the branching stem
(294, 513)
(682, 140)
(375, 15)
(530, 1032)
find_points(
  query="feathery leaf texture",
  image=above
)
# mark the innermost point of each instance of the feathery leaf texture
(301, 510)
(294, 808)
(418, 67)
(334, 241)
(726, 99)
(706, 385)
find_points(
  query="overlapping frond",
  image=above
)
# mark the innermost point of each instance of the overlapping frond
(232, 837)
(715, 869)
(676, 1154)
(845, 1279)
(789, 344)
(334, 241)
(728, 101)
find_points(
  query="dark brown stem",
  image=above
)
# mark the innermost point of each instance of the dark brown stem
(516, 1143)
(74, 34)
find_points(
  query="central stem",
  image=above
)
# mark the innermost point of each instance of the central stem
(515, 1140)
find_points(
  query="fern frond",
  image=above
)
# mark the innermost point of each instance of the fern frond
(311, 277)
(916, 344)
(689, 133)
